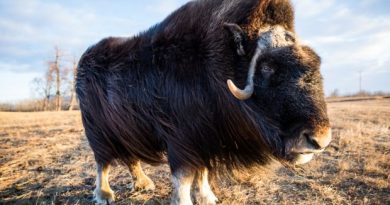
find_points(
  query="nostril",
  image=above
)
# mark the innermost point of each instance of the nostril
(311, 140)
(306, 135)
(315, 140)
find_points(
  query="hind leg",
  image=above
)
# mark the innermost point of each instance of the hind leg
(140, 180)
(103, 193)
(206, 195)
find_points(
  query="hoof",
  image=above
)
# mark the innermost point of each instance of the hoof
(103, 197)
(209, 199)
(144, 184)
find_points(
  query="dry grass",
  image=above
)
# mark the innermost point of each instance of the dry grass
(45, 159)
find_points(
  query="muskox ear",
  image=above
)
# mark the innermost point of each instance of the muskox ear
(238, 36)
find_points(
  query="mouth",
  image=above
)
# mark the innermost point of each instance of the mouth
(303, 158)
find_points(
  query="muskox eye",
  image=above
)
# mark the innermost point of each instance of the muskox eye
(267, 71)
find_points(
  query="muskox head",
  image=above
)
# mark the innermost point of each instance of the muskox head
(284, 80)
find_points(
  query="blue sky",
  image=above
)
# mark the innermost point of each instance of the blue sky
(350, 36)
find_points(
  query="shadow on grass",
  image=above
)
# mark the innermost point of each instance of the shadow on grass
(70, 195)
(357, 190)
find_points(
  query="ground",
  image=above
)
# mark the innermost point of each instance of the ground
(45, 159)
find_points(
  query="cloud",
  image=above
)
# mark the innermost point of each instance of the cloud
(15, 86)
(11, 67)
(164, 7)
(30, 29)
(313, 8)
(350, 37)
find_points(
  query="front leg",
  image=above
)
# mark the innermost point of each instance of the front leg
(206, 196)
(182, 180)
(103, 193)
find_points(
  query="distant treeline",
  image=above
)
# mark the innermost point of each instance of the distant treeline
(37, 105)
(362, 93)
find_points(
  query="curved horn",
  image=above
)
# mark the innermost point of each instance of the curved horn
(249, 88)
(238, 93)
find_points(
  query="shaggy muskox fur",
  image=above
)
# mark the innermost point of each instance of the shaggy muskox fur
(164, 92)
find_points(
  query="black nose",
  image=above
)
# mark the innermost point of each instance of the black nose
(317, 140)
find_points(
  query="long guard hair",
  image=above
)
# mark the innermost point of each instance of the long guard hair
(163, 92)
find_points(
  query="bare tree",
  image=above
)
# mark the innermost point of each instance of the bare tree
(42, 87)
(73, 100)
(334, 93)
(56, 69)
(39, 90)
(48, 85)
(56, 83)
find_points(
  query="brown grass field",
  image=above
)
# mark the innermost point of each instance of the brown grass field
(45, 159)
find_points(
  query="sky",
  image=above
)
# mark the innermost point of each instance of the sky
(351, 36)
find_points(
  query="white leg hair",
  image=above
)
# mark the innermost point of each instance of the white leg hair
(103, 193)
(182, 181)
(140, 180)
(206, 196)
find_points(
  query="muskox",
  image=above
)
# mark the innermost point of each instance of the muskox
(217, 85)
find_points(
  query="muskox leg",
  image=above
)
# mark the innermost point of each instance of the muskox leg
(206, 196)
(103, 193)
(182, 181)
(140, 180)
